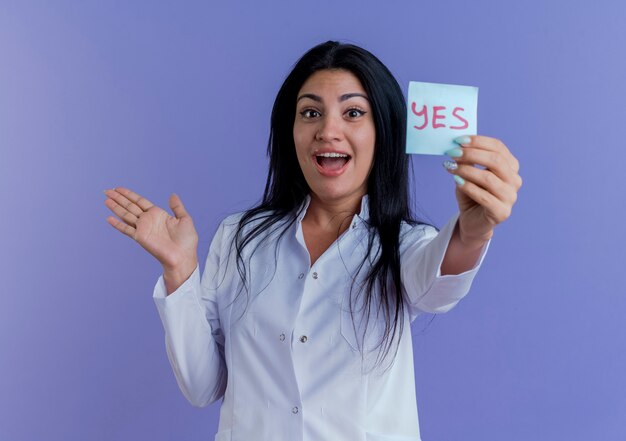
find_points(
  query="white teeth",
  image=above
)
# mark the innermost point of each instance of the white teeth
(332, 155)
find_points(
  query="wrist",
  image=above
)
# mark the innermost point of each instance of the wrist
(181, 265)
(175, 276)
(472, 242)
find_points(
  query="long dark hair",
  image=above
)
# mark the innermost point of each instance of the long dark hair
(387, 185)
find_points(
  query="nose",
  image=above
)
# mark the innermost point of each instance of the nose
(330, 129)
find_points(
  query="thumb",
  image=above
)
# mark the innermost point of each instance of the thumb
(177, 206)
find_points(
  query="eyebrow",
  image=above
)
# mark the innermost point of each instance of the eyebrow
(343, 97)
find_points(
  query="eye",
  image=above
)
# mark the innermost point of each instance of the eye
(355, 112)
(306, 113)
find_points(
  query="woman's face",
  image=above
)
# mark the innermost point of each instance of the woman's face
(334, 135)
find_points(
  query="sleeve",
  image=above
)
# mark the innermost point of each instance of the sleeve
(193, 336)
(426, 289)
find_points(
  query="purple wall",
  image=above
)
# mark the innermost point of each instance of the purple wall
(166, 97)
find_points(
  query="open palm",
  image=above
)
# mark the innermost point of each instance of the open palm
(172, 240)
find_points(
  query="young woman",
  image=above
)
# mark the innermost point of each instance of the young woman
(300, 320)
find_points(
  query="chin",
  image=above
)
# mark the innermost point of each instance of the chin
(335, 192)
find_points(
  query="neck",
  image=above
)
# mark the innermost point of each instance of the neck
(332, 215)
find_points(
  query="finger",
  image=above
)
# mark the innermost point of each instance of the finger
(491, 160)
(489, 182)
(121, 226)
(141, 202)
(122, 212)
(494, 145)
(496, 210)
(177, 206)
(124, 202)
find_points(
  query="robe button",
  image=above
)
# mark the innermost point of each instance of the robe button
(315, 275)
(303, 338)
(301, 275)
(295, 409)
(282, 337)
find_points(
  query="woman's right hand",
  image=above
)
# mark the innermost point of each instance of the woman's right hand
(172, 240)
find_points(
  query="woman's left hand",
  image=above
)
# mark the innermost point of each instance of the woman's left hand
(485, 196)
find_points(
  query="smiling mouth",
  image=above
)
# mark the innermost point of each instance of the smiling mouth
(332, 162)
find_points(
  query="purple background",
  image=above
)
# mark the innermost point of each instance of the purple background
(166, 97)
